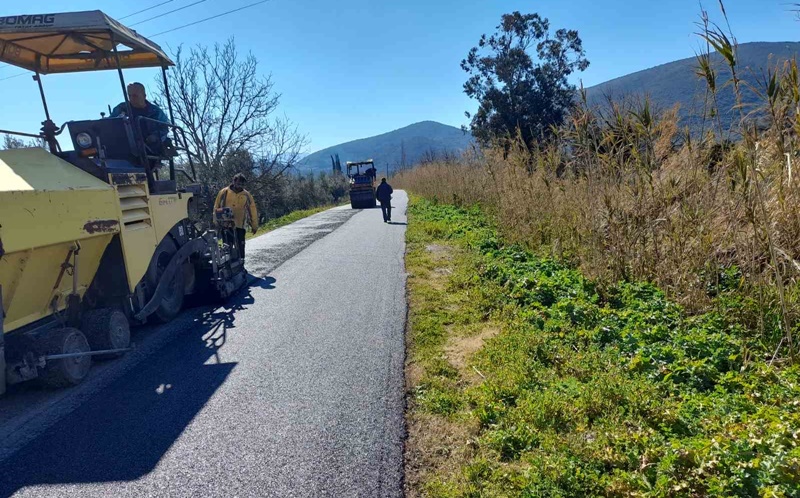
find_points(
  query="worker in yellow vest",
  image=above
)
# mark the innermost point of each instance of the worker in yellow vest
(243, 206)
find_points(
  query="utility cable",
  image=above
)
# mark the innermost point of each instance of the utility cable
(13, 76)
(145, 10)
(209, 18)
(169, 12)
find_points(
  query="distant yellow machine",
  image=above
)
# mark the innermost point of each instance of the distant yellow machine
(94, 238)
(362, 184)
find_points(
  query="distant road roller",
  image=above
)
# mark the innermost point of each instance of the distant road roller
(99, 237)
(362, 184)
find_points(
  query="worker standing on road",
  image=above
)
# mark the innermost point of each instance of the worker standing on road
(384, 195)
(243, 206)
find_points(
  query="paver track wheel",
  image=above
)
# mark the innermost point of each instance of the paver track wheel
(106, 328)
(68, 371)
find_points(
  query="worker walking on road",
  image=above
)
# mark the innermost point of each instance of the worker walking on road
(243, 206)
(384, 195)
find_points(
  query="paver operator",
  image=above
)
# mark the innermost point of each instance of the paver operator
(154, 134)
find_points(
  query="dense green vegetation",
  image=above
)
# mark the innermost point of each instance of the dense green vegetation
(586, 390)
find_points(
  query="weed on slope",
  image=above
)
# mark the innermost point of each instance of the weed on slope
(526, 379)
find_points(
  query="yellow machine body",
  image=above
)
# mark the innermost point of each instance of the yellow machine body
(145, 220)
(49, 209)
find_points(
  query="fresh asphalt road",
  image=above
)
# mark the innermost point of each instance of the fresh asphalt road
(294, 388)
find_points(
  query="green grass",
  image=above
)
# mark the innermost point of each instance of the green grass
(286, 220)
(588, 392)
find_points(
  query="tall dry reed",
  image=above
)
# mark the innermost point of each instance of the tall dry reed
(626, 194)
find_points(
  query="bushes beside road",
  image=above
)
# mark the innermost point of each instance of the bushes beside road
(527, 378)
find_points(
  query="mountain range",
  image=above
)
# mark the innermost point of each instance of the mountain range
(678, 83)
(406, 146)
(666, 85)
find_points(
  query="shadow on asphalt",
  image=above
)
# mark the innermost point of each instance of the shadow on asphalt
(123, 431)
(397, 223)
(263, 283)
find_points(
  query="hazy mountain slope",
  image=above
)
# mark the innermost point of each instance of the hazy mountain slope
(677, 82)
(417, 140)
(668, 84)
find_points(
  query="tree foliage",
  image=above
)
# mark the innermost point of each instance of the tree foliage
(517, 92)
(12, 142)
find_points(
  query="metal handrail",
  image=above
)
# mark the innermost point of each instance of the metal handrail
(186, 174)
(22, 134)
(47, 125)
(182, 139)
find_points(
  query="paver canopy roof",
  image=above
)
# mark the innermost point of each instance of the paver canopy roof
(73, 42)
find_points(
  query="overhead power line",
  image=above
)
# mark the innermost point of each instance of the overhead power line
(167, 13)
(13, 76)
(209, 18)
(145, 10)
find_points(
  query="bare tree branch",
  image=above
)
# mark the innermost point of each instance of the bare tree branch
(228, 112)
(221, 101)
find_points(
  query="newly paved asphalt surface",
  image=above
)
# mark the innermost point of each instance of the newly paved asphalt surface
(293, 389)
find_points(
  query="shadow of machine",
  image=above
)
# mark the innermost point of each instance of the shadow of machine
(122, 432)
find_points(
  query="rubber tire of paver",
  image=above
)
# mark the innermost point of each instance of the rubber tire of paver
(106, 328)
(172, 302)
(67, 371)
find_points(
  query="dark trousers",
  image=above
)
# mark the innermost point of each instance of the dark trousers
(235, 236)
(240, 232)
(386, 209)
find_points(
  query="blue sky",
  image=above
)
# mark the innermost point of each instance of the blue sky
(355, 68)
